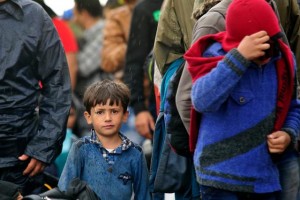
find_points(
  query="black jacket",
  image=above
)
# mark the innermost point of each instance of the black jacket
(32, 119)
(9, 191)
(140, 43)
(77, 189)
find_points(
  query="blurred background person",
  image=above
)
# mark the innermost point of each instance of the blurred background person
(68, 40)
(115, 33)
(88, 15)
(141, 39)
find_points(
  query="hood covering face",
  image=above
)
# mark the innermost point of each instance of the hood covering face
(247, 17)
(244, 17)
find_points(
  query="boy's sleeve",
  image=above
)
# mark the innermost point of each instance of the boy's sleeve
(72, 167)
(141, 179)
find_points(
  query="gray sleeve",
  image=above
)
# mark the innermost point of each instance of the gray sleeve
(210, 23)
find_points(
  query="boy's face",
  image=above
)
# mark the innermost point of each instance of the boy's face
(106, 119)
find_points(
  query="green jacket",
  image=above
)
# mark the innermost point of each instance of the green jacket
(174, 31)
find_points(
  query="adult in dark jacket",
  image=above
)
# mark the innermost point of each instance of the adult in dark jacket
(35, 92)
(141, 39)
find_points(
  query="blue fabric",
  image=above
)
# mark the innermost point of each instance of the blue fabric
(159, 133)
(237, 103)
(62, 158)
(116, 181)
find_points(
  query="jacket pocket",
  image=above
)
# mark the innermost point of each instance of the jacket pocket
(242, 97)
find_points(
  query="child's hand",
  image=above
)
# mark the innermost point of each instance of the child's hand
(253, 46)
(278, 141)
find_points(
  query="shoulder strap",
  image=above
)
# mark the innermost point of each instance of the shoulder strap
(165, 81)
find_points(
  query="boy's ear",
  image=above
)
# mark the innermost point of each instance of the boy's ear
(125, 116)
(87, 117)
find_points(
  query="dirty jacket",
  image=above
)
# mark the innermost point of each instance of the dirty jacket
(174, 31)
(32, 118)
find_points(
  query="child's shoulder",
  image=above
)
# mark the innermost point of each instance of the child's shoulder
(82, 141)
(129, 144)
(137, 147)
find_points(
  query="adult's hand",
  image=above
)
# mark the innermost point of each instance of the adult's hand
(34, 167)
(144, 124)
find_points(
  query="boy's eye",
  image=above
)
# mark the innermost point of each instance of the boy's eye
(114, 111)
(100, 112)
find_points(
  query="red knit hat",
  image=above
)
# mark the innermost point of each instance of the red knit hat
(245, 17)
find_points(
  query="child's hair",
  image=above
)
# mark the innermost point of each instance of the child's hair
(102, 91)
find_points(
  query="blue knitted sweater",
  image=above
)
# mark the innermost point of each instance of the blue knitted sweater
(118, 181)
(237, 101)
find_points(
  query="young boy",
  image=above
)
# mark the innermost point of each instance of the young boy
(244, 87)
(109, 162)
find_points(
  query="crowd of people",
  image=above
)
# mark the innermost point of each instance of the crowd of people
(83, 96)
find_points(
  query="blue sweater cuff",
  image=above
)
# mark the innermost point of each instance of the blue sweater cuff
(237, 62)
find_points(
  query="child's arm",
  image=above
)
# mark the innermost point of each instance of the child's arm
(212, 90)
(72, 167)
(141, 179)
(280, 140)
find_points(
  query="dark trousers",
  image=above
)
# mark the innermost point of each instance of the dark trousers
(210, 193)
(15, 175)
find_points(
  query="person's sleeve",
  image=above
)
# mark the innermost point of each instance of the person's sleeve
(139, 46)
(210, 91)
(141, 179)
(169, 38)
(66, 35)
(55, 98)
(209, 24)
(114, 46)
(294, 35)
(292, 122)
(72, 166)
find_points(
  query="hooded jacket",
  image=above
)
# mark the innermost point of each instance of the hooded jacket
(213, 22)
(241, 103)
(32, 119)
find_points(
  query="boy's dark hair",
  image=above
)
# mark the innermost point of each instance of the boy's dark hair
(93, 7)
(102, 91)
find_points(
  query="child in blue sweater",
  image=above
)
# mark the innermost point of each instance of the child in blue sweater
(113, 166)
(244, 89)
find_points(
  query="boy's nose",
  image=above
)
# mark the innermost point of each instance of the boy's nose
(107, 116)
